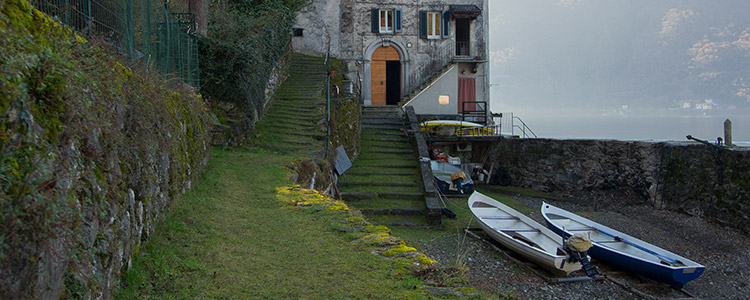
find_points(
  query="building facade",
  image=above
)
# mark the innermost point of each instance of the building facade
(428, 54)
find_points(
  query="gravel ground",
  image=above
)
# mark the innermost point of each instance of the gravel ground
(721, 250)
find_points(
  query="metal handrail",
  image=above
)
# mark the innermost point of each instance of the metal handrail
(523, 128)
(440, 58)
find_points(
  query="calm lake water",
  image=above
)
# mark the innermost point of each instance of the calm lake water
(636, 126)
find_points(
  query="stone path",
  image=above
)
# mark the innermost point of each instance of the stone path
(295, 122)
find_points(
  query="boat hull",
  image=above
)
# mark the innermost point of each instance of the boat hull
(658, 271)
(555, 264)
(521, 234)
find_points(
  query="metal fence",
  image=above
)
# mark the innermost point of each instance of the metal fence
(142, 29)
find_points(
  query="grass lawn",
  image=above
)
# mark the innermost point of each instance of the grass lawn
(230, 237)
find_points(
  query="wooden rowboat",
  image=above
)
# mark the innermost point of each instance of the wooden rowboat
(521, 234)
(624, 251)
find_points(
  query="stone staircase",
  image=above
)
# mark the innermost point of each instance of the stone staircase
(295, 121)
(384, 182)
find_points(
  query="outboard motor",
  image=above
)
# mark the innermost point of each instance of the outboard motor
(577, 247)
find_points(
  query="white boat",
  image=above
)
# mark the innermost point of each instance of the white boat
(521, 234)
(443, 172)
(624, 251)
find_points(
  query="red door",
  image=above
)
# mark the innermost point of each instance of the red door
(467, 92)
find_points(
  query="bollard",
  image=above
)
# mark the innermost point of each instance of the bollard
(728, 133)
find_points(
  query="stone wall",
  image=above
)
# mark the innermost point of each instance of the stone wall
(92, 152)
(347, 23)
(685, 177)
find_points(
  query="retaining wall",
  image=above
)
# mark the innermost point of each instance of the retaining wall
(681, 176)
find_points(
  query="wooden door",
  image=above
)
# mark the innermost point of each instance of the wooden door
(377, 67)
(378, 82)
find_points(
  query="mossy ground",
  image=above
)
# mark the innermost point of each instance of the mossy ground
(243, 232)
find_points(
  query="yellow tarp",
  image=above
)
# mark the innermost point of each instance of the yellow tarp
(579, 242)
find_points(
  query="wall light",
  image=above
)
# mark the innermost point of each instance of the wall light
(444, 99)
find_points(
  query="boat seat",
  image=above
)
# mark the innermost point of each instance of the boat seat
(519, 230)
(580, 229)
(499, 217)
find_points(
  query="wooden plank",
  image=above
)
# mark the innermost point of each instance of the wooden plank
(499, 217)
(377, 74)
(385, 53)
(581, 229)
(518, 230)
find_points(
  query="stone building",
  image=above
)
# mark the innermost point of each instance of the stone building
(430, 54)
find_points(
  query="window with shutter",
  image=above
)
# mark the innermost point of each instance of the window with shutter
(446, 25)
(386, 20)
(433, 25)
(397, 25)
(423, 24)
(375, 17)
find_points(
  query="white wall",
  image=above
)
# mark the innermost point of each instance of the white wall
(426, 102)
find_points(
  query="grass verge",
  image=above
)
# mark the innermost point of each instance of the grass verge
(236, 236)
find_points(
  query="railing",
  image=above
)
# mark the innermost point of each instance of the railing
(474, 111)
(462, 49)
(440, 58)
(142, 29)
(508, 121)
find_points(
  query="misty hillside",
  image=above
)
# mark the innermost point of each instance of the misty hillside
(605, 54)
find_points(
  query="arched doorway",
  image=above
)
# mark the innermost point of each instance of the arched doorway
(385, 76)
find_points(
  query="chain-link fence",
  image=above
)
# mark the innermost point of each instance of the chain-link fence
(142, 29)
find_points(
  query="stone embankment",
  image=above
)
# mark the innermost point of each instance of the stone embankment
(681, 176)
(92, 152)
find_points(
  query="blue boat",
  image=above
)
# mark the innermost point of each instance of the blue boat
(624, 251)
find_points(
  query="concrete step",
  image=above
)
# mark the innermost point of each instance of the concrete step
(385, 133)
(393, 212)
(299, 105)
(386, 146)
(305, 128)
(292, 148)
(355, 196)
(317, 136)
(392, 122)
(390, 139)
(389, 166)
(394, 127)
(380, 173)
(293, 116)
(391, 151)
(345, 183)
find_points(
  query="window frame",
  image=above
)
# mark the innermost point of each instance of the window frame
(434, 25)
(386, 20)
(386, 16)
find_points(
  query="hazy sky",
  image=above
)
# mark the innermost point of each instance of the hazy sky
(620, 58)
